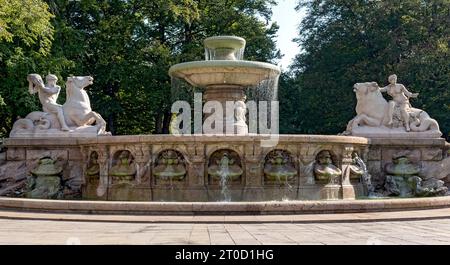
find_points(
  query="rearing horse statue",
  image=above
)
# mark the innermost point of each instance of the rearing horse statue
(77, 108)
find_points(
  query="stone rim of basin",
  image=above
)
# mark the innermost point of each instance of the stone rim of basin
(204, 74)
(233, 42)
(225, 65)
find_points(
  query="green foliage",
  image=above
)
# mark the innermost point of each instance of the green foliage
(26, 22)
(26, 35)
(345, 42)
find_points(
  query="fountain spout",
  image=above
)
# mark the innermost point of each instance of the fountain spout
(225, 170)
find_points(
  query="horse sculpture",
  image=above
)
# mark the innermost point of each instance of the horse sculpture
(372, 114)
(77, 110)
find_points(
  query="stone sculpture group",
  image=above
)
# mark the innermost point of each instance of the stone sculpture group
(378, 118)
(74, 118)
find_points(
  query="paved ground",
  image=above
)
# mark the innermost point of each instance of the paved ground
(434, 231)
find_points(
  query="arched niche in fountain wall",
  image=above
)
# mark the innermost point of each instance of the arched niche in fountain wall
(169, 167)
(181, 148)
(123, 167)
(114, 151)
(278, 167)
(224, 157)
(210, 149)
(306, 158)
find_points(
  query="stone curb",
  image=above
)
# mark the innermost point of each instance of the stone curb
(418, 215)
(219, 208)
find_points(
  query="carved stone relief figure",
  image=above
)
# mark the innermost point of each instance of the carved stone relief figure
(45, 182)
(124, 169)
(325, 170)
(170, 165)
(402, 179)
(279, 166)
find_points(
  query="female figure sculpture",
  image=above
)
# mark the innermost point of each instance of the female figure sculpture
(400, 98)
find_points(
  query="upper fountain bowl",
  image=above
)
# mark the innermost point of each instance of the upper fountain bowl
(224, 48)
(224, 65)
(224, 72)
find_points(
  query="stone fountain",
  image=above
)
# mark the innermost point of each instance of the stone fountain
(224, 75)
(46, 159)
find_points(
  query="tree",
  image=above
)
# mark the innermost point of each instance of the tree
(345, 42)
(26, 35)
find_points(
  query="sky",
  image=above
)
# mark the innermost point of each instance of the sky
(288, 19)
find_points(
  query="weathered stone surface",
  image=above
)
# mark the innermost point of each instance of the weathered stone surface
(413, 154)
(34, 154)
(14, 154)
(303, 148)
(374, 154)
(331, 192)
(127, 192)
(432, 154)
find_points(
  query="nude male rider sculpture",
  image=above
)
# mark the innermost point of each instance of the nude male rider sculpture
(48, 94)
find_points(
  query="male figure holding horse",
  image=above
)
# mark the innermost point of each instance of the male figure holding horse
(400, 97)
(48, 94)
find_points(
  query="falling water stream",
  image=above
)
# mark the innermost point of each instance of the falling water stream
(366, 178)
(285, 188)
(224, 173)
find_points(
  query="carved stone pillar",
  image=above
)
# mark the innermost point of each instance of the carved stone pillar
(196, 171)
(195, 167)
(253, 190)
(103, 162)
(142, 158)
(348, 191)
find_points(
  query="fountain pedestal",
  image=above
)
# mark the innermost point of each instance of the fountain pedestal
(230, 122)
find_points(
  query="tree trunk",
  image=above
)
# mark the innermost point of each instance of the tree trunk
(158, 123)
(166, 122)
(110, 124)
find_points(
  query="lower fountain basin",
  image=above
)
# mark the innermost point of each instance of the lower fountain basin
(145, 156)
(224, 72)
(89, 166)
